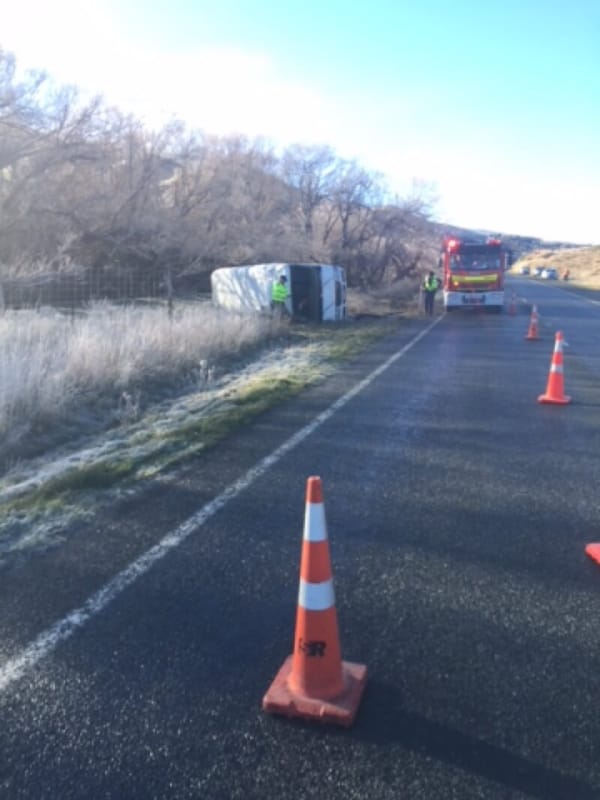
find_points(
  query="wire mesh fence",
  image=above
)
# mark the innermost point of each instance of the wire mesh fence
(77, 289)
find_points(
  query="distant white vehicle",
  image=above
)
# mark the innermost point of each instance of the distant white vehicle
(317, 291)
(549, 274)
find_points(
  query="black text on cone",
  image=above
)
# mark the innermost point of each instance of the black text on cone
(314, 682)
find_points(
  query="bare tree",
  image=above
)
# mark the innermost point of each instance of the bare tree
(84, 185)
(311, 173)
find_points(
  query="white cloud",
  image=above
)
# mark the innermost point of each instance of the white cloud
(496, 194)
(220, 90)
(64, 37)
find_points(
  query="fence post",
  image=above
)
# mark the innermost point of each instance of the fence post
(169, 285)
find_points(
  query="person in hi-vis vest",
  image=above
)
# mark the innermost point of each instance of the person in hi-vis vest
(430, 287)
(279, 294)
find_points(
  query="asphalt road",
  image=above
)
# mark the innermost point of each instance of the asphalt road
(458, 509)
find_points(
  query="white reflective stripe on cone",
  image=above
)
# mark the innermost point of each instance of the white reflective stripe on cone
(556, 368)
(316, 596)
(315, 528)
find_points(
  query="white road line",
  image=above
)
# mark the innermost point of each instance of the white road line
(47, 641)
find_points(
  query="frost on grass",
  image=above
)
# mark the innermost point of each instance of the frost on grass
(113, 387)
(140, 441)
(127, 386)
(94, 368)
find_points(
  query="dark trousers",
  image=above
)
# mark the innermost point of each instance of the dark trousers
(279, 310)
(429, 298)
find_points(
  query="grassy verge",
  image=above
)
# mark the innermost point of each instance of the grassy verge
(71, 494)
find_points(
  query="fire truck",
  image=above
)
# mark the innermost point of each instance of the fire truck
(473, 273)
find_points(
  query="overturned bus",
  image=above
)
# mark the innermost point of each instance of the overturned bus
(317, 292)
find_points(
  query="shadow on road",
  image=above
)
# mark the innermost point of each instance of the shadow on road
(443, 743)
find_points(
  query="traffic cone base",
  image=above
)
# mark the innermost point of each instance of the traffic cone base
(557, 401)
(593, 551)
(341, 710)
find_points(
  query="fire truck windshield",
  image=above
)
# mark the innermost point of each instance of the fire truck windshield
(471, 262)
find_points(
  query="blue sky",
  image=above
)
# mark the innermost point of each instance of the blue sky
(493, 105)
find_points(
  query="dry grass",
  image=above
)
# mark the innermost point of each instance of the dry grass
(401, 297)
(43, 496)
(64, 377)
(52, 366)
(582, 262)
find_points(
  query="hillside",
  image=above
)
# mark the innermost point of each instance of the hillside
(583, 263)
(518, 245)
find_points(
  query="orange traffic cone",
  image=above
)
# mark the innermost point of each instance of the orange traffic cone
(593, 551)
(555, 388)
(532, 333)
(314, 682)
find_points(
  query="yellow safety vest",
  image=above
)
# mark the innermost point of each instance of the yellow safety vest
(279, 293)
